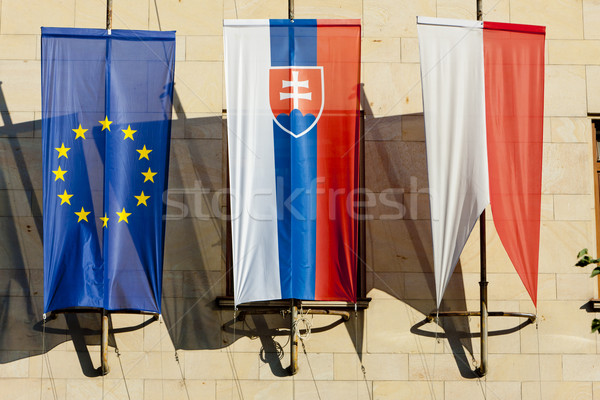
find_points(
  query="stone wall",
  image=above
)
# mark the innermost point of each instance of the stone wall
(385, 352)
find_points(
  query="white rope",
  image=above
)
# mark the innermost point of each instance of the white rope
(43, 351)
(122, 372)
(46, 360)
(537, 330)
(162, 384)
(307, 324)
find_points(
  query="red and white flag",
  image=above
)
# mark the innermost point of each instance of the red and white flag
(483, 100)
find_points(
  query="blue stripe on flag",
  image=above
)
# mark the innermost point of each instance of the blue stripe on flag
(295, 167)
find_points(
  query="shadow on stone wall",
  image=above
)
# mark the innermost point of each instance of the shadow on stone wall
(398, 250)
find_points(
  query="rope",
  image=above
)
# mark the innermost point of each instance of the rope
(182, 375)
(162, 380)
(122, 372)
(311, 370)
(307, 324)
(537, 330)
(362, 366)
(46, 359)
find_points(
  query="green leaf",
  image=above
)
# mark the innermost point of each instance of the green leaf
(595, 325)
(595, 272)
(582, 253)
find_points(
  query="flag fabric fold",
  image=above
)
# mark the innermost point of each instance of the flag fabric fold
(483, 106)
(293, 105)
(106, 120)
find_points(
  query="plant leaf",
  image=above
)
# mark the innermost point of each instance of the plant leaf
(582, 253)
(595, 325)
(596, 271)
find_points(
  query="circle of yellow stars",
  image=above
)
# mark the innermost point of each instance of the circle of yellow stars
(59, 173)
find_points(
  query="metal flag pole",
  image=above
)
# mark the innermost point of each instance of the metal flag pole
(104, 368)
(483, 284)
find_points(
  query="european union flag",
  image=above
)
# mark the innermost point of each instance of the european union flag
(106, 126)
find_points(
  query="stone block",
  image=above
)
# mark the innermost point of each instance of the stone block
(514, 367)
(15, 203)
(199, 86)
(17, 124)
(195, 163)
(565, 91)
(584, 367)
(179, 389)
(561, 18)
(346, 9)
(90, 14)
(574, 207)
(385, 285)
(392, 88)
(20, 243)
(19, 368)
(563, 164)
(446, 367)
(382, 128)
(108, 388)
(394, 18)
(148, 365)
(410, 50)
(399, 246)
(561, 241)
(204, 17)
(254, 9)
(331, 390)
(395, 165)
(20, 84)
(571, 130)
(391, 335)
(380, 50)
(591, 16)
(337, 338)
(25, 389)
(563, 327)
(413, 128)
(575, 287)
(315, 366)
(17, 47)
(417, 206)
(462, 9)
(204, 126)
(409, 390)
(574, 52)
(204, 48)
(496, 10)
(26, 18)
(213, 365)
(239, 390)
(131, 14)
(474, 390)
(593, 83)
(557, 390)
(547, 212)
(192, 245)
(378, 367)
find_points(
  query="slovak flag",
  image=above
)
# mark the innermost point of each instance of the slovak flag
(293, 132)
(483, 100)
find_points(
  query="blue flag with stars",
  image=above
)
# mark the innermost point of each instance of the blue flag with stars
(106, 126)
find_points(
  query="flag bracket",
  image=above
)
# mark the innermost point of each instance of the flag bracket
(433, 315)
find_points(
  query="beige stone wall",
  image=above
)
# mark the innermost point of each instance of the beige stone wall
(385, 352)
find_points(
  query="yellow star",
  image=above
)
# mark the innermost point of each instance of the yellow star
(60, 174)
(142, 199)
(82, 215)
(144, 153)
(128, 132)
(65, 198)
(105, 124)
(149, 175)
(79, 132)
(62, 151)
(123, 216)
(104, 219)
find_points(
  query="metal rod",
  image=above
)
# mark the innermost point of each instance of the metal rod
(483, 296)
(293, 339)
(432, 315)
(104, 368)
(479, 10)
(291, 10)
(108, 14)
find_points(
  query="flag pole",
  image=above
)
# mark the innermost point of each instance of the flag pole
(104, 368)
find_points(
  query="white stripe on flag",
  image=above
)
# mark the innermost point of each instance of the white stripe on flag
(452, 77)
(252, 163)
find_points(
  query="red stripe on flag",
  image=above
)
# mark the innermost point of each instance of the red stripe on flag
(503, 26)
(338, 52)
(514, 101)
